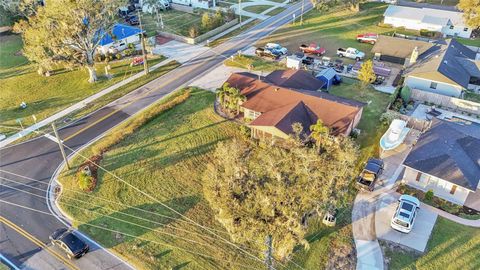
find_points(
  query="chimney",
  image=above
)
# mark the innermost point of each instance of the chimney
(414, 56)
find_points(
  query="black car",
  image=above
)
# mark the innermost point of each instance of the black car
(69, 242)
(371, 172)
(132, 20)
(261, 52)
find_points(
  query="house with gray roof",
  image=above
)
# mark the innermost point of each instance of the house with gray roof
(446, 69)
(447, 22)
(446, 160)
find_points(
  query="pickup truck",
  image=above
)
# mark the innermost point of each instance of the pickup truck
(276, 48)
(313, 48)
(367, 38)
(262, 52)
(367, 178)
(351, 53)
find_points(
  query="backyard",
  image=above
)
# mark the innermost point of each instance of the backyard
(47, 95)
(451, 246)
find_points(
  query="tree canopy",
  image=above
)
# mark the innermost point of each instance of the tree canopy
(67, 32)
(471, 10)
(261, 190)
(366, 74)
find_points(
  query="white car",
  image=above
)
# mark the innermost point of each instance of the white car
(404, 216)
(276, 48)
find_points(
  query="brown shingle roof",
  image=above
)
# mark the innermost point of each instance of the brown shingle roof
(294, 79)
(280, 106)
(399, 47)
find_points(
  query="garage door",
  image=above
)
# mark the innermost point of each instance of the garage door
(392, 59)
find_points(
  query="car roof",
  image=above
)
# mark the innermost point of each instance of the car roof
(374, 165)
(73, 242)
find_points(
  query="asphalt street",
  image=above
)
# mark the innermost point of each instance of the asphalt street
(39, 158)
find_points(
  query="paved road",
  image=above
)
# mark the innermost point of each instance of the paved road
(39, 158)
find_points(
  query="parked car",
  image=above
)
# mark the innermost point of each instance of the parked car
(370, 173)
(276, 48)
(367, 38)
(404, 217)
(351, 53)
(313, 48)
(308, 60)
(73, 246)
(132, 20)
(261, 52)
(124, 12)
(378, 80)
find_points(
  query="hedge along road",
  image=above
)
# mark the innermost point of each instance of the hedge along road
(39, 158)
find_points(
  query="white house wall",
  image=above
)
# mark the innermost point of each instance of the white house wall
(418, 25)
(457, 31)
(442, 88)
(194, 3)
(440, 188)
(120, 45)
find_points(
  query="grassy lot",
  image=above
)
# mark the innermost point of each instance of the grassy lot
(257, 9)
(472, 96)
(244, 61)
(275, 11)
(332, 29)
(47, 95)
(438, 2)
(451, 246)
(10, 56)
(176, 22)
(470, 42)
(233, 33)
(165, 158)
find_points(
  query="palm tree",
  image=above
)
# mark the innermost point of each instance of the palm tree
(222, 94)
(319, 132)
(230, 97)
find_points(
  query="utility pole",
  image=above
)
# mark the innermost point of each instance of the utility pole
(240, 11)
(269, 253)
(142, 39)
(60, 145)
(301, 15)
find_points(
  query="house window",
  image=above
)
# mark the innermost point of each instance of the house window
(452, 190)
(433, 85)
(474, 80)
(451, 26)
(465, 29)
(419, 175)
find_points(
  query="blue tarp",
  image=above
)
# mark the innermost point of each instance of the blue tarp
(329, 76)
(119, 31)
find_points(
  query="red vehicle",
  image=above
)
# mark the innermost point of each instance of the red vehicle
(367, 38)
(313, 48)
(137, 61)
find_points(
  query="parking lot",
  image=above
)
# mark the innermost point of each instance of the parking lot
(417, 238)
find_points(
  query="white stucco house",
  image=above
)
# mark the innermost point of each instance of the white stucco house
(118, 39)
(196, 3)
(449, 23)
(446, 69)
(446, 160)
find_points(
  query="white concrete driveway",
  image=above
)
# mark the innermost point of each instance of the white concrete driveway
(417, 238)
(179, 51)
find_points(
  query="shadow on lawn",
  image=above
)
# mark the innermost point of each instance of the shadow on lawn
(131, 223)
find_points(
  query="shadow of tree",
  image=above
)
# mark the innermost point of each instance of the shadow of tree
(131, 223)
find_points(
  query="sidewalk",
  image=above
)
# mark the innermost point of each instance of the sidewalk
(457, 219)
(77, 106)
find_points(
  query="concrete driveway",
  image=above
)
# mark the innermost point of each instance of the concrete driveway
(179, 51)
(417, 238)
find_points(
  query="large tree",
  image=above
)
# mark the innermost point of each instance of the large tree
(262, 190)
(67, 32)
(366, 74)
(471, 10)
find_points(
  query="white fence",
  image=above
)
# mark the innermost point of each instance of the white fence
(446, 101)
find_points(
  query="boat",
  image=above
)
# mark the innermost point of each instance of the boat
(395, 135)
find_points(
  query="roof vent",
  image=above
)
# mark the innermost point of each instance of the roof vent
(445, 62)
(276, 89)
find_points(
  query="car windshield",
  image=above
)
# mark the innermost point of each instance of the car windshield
(401, 222)
(406, 206)
(73, 242)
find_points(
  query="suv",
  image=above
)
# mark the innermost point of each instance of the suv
(69, 242)
(404, 216)
(370, 174)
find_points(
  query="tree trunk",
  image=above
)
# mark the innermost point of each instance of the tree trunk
(93, 74)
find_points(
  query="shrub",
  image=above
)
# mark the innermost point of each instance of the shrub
(385, 25)
(397, 105)
(118, 56)
(193, 31)
(429, 196)
(405, 93)
(129, 51)
(387, 117)
(85, 181)
(409, 107)
(99, 57)
(218, 19)
(427, 33)
(207, 21)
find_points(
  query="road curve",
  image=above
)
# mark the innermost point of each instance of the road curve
(39, 158)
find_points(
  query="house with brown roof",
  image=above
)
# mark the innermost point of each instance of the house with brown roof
(275, 102)
(400, 50)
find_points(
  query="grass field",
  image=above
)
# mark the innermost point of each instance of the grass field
(257, 63)
(275, 11)
(257, 9)
(47, 95)
(10, 56)
(451, 246)
(233, 33)
(176, 22)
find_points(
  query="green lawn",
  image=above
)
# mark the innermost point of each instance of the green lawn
(10, 56)
(244, 61)
(257, 9)
(176, 22)
(451, 246)
(233, 33)
(438, 2)
(470, 42)
(47, 95)
(332, 29)
(275, 11)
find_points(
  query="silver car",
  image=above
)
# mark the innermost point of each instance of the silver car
(404, 216)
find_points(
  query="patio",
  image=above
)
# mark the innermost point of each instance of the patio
(421, 113)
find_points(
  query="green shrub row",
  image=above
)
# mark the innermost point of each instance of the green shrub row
(131, 126)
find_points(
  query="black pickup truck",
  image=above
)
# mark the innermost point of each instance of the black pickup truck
(373, 169)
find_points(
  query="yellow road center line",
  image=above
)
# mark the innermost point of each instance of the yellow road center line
(37, 242)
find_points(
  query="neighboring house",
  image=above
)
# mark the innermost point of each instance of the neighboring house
(400, 50)
(449, 23)
(446, 160)
(274, 103)
(448, 70)
(196, 3)
(119, 38)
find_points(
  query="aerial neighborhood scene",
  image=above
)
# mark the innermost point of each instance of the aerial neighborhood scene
(240, 134)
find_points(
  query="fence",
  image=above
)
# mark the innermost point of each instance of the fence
(201, 37)
(412, 122)
(446, 101)
(183, 8)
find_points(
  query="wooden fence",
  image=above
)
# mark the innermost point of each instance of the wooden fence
(446, 101)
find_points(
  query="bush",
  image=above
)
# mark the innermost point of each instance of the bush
(397, 105)
(409, 107)
(85, 181)
(385, 25)
(129, 52)
(193, 31)
(406, 93)
(99, 57)
(207, 21)
(429, 196)
(118, 56)
(427, 33)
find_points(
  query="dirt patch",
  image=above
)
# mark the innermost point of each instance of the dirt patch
(160, 40)
(91, 166)
(390, 247)
(343, 255)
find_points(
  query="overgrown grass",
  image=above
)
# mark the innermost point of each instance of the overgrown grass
(451, 246)
(47, 95)
(10, 52)
(165, 158)
(256, 63)
(176, 22)
(257, 8)
(469, 95)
